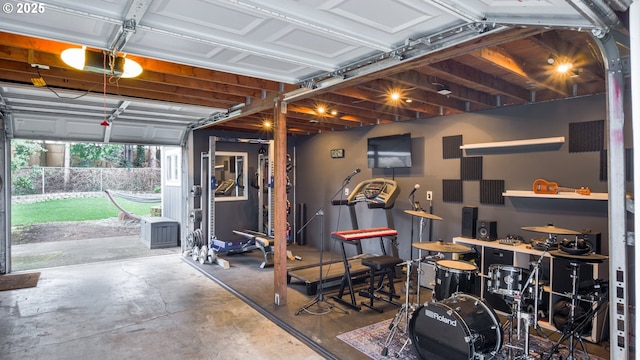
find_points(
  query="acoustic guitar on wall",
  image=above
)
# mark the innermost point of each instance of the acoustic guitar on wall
(542, 186)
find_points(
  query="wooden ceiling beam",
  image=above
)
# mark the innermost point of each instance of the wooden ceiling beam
(462, 74)
(308, 115)
(426, 92)
(94, 82)
(295, 123)
(25, 78)
(501, 59)
(147, 79)
(370, 117)
(590, 62)
(444, 54)
(374, 103)
(418, 108)
(55, 48)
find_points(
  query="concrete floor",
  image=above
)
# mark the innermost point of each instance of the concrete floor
(166, 307)
(74, 252)
(144, 308)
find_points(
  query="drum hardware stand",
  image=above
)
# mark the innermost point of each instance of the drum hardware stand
(572, 330)
(320, 297)
(406, 308)
(403, 313)
(528, 319)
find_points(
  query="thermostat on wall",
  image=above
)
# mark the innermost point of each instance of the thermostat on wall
(337, 153)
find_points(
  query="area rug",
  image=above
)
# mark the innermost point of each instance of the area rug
(370, 340)
(19, 281)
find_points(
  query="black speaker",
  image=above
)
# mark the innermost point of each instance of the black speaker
(594, 239)
(469, 220)
(487, 230)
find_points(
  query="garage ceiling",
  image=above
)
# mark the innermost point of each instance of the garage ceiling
(221, 64)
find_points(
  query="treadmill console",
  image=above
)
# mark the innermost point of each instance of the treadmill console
(378, 192)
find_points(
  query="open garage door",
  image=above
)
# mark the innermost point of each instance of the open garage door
(40, 113)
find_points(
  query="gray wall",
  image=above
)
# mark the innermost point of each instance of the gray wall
(319, 176)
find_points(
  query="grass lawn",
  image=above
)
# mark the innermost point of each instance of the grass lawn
(77, 209)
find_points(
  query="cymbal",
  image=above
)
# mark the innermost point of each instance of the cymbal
(587, 258)
(423, 214)
(550, 229)
(441, 247)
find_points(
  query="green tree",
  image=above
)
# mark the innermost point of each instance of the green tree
(90, 155)
(23, 150)
(140, 156)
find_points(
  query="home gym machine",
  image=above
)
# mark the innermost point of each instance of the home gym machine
(202, 243)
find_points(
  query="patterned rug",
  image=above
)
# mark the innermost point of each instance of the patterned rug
(371, 340)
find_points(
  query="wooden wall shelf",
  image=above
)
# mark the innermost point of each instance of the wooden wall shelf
(560, 195)
(541, 144)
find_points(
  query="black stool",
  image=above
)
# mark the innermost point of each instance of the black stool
(382, 265)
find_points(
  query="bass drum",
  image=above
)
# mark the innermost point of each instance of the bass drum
(460, 327)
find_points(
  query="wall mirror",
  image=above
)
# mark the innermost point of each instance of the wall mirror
(231, 176)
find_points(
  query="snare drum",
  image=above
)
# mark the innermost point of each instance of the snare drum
(461, 327)
(507, 280)
(453, 276)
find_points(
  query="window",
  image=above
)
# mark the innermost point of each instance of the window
(172, 165)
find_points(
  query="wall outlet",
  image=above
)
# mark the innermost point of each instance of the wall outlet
(429, 195)
(346, 191)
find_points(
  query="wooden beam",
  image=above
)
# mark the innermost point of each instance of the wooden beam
(508, 63)
(95, 86)
(470, 77)
(280, 203)
(55, 48)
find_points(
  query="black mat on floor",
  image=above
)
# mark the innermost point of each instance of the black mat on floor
(319, 326)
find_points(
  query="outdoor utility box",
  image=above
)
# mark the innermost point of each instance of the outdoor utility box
(159, 232)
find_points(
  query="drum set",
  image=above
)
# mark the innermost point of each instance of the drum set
(456, 324)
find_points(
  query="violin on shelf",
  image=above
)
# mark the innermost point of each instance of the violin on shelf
(542, 186)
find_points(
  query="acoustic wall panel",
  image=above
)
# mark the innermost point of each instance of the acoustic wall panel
(451, 190)
(586, 136)
(491, 191)
(471, 168)
(451, 147)
(628, 165)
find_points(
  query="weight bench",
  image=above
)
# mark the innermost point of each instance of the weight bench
(261, 241)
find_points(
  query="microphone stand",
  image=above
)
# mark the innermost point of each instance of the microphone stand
(320, 291)
(413, 207)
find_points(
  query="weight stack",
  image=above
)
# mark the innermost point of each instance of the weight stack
(301, 219)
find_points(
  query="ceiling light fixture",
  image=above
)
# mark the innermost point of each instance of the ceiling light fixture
(93, 61)
(564, 67)
(551, 59)
(443, 90)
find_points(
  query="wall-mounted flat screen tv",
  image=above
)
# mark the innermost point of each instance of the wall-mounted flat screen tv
(393, 151)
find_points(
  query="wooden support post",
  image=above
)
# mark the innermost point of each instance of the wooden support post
(280, 202)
